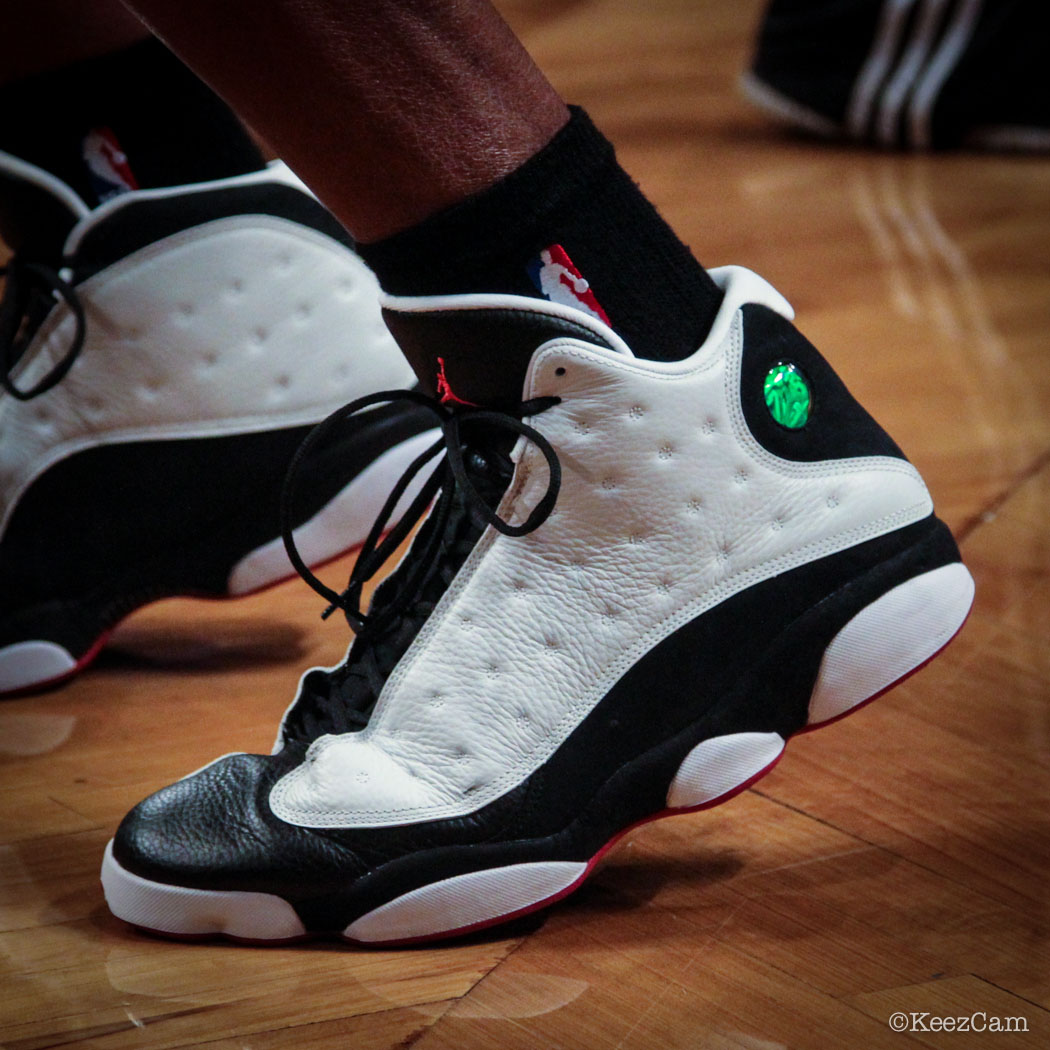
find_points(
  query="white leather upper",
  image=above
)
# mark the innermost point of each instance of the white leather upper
(668, 506)
(241, 324)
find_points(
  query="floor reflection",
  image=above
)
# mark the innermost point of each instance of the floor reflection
(23, 734)
(927, 274)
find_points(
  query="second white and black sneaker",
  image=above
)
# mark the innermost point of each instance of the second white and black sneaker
(161, 357)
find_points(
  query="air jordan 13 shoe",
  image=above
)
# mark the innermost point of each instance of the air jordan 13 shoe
(913, 74)
(638, 580)
(161, 357)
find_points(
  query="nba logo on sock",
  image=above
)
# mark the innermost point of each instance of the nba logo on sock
(107, 165)
(558, 280)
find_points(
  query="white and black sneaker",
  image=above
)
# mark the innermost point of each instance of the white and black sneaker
(913, 74)
(618, 609)
(161, 358)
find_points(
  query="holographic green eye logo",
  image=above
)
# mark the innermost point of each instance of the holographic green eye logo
(787, 395)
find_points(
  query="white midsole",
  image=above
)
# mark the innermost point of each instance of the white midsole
(889, 638)
(465, 900)
(188, 912)
(719, 765)
(30, 663)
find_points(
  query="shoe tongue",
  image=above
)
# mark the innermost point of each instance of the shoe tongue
(479, 355)
(37, 210)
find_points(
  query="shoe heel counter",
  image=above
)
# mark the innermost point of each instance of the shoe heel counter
(837, 426)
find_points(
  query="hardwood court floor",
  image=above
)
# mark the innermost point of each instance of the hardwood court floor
(896, 861)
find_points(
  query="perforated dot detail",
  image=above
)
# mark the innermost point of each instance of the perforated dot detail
(741, 477)
(609, 484)
(694, 506)
(581, 427)
(666, 451)
(776, 524)
(707, 428)
(832, 501)
(636, 412)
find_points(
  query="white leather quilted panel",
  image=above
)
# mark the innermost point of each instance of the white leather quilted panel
(667, 506)
(241, 324)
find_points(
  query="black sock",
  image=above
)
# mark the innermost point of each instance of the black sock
(571, 194)
(142, 102)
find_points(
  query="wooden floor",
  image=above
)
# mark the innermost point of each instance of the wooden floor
(897, 861)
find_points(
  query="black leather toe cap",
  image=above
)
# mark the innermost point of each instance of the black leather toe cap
(215, 830)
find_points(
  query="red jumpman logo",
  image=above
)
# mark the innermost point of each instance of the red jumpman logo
(445, 394)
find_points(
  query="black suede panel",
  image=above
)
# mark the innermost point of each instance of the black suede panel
(838, 426)
(748, 665)
(114, 527)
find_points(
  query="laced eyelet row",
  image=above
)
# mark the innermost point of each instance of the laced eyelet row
(387, 625)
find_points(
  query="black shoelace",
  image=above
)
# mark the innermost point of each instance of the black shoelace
(30, 291)
(464, 488)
